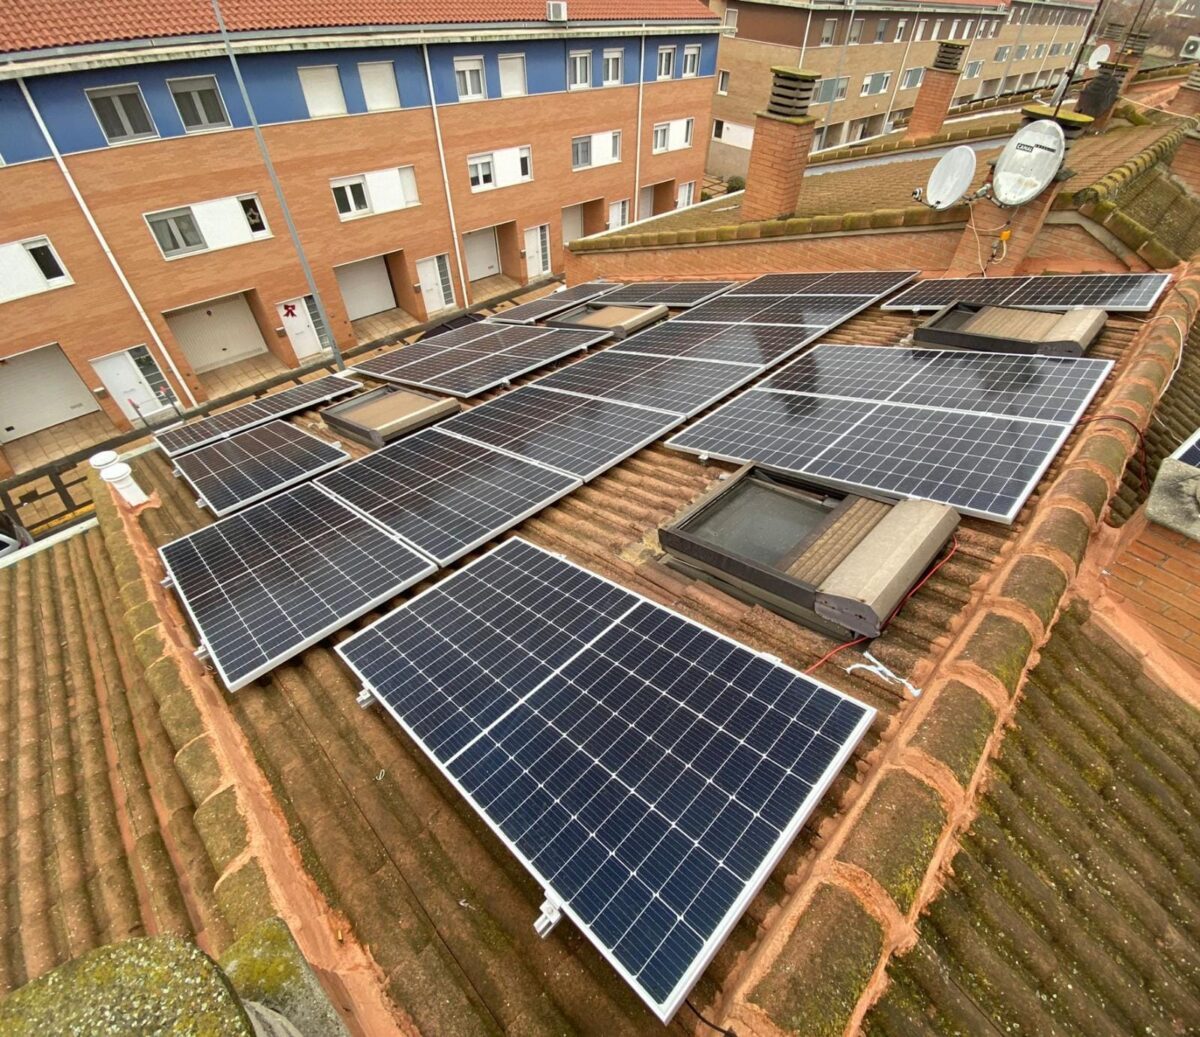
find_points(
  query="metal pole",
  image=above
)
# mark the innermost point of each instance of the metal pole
(283, 205)
(1087, 34)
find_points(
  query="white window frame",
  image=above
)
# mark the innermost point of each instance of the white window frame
(206, 127)
(1002, 53)
(864, 92)
(525, 154)
(64, 279)
(854, 37)
(345, 183)
(881, 28)
(718, 129)
(954, 29)
(1022, 51)
(730, 18)
(828, 32)
(901, 25)
(667, 53)
(170, 215)
(839, 90)
(476, 167)
(937, 29)
(922, 25)
(663, 128)
(574, 58)
(524, 73)
(691, 61)
(624, 210)
(976, 66)
(115, 90)
(464, 66)
(587, 140)
(613, 55)
(616, 145)
(391, 66)
(265, 230)
(723, 82)
(690, 192)
(301, 69)
(689, 128)
(907, 76)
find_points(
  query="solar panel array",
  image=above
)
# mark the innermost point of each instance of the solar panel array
(1189, 451)
(468, 361)
(971, 430)
(250, 465)
(1117, 293)
(677, 295)
(647, 772)
(556, 302)
(266, 583)
(175, 441)
(843, 282)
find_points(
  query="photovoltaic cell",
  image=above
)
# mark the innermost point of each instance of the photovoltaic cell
(262, 585)
(779, 284)
(1189, 451)
(1130, 293)
(556, 302)
(445, 495)
(174, 441)
(810, 310)
(499, 368)
(761, 346)
(846, 282)
(250, 465)
(675, 294)
(937, 292)
(861, 372)
(648, 772)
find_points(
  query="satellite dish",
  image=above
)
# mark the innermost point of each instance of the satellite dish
(1101, 53)
(1028, 162)
(951, 177)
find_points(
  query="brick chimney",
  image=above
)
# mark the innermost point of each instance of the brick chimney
(1026, 221)
(1187, 99)
(1112, 33)
(937, 91)
(783, 136)
(1101, 94)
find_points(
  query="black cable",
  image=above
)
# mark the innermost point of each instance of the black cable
(710, 1025)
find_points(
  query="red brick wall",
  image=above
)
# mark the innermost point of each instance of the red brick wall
(1185, 102)
(777, 162)
(933, 102)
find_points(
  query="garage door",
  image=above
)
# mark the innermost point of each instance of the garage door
(217, 333)
(366, 287)
(483, 260)
(39, 389)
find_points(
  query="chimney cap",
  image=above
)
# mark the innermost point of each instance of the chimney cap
(792, 72)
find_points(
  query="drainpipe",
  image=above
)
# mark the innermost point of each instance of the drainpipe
(437, 134)
(807, 29)
(279, 196)
(637, 151)
(108, 252)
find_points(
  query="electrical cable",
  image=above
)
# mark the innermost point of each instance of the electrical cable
(710, 1025)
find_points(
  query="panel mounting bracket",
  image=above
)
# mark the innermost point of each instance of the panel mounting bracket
(201, 652)
(167, 581)
(550, 916)
(365, 698)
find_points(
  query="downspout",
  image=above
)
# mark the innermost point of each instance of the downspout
(437, 133)
(807, 30)
(903, 65)
(637, 151)
(108, 252)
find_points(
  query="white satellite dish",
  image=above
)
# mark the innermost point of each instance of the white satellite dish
(1098, 55)
(951, 177)
(1028, 162)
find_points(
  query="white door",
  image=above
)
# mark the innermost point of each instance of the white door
(297, 319)
(217, 333)
(618, 214)
(483, 257)
(646, 203)
(437, 290)
(39, 389)
(572, 223)
(366, 287)
(129, 386)
(537, 250)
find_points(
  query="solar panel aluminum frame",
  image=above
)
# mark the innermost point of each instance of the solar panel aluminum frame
(665, 1010)
(313, 639)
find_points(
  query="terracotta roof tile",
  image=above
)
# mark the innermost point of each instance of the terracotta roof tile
(37, 24)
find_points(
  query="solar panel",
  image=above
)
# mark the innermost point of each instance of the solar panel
(779, 284)
(1130, 293)
(675, 294)
(760, 345)
(846, 282)
(575, 434)
(971, 430)
(445, 495)
(648, 772)
(254, 464)
(663, 383)
(556, 302)
(175, 441)
(1189, 450)
(810, 310)
(264, 584)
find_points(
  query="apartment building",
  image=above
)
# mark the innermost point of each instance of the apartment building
(872, 60)
(425, 166)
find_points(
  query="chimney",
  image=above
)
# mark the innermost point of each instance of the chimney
(783, 136)
(1026, 221)
(1112, 33)
(1187, 98)
(1101, 94)
(937, 91)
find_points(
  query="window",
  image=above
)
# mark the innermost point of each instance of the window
(685, 195)
(911, 79)
(1040, 52)
(937, 29)
(723, 81)
(1022, 51)
(47, 262)
(730, 18)
(1055, 49)
(512, 75)
(579, 70)
(969, 31)
(922, 25)
(616, 145)
(666, 62)
(972, 70)
(408, 186)
(830, 89)
(718, 128)
(618, 214)
(687, 132)
(199, 103)
(468, 78)
(881, 28)
(176, 232)
(481, 172)
(660, 138)
(876, 83)
(691, 61)
(856, 28)
(322, 88)
(828, 31)
(954, 29)
(378, 80)
(122, 113)
(1069, 50)
(1002, 53)
(525, 162)
(900, 27)
(252, 208)
(613, 73)
(581, 152)
(350, 197)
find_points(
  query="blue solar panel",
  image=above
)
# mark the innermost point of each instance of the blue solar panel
(647, 771)
(1189, 452)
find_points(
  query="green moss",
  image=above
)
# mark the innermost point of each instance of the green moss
(798, 225)
(1067, 531)
(818, 977)
(244, 897)
(1001, 646)
(198, 768)
(956, 729)
(1107, 451)
(1085, 486)
(887, 218)
(1158, 255)
(706, 234)
(826, 224)
(1038, 584)
(177, 709)
(856, 221)
(222, 828)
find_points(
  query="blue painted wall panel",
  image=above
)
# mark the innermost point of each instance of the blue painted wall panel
(20, 138)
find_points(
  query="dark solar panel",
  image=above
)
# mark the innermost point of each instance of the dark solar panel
(264, 584)
(1130, 293)
(811, 310)
(675, 294)
(779, 284)
(556, 302)
(862, 372)
(576, 434)
(936, 292)
(648, 772)
(445, 495)
(1189, 452)
(845, 282)
(250, 465)
(760, 345)
(175, 441)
